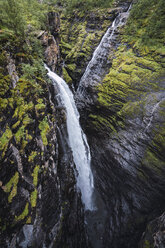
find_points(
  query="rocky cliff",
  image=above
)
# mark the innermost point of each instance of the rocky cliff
(40, 206)
(122, 112)
(121, 102)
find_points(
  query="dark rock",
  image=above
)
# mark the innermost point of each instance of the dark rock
(54, 23)
(154, 235)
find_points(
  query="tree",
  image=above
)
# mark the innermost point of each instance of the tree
(12, 16)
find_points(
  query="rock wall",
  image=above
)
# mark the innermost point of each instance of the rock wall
(40, 205)
(122, 115)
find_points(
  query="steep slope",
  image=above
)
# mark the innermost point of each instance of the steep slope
(80, 35)
(123, 115)
(40, 206)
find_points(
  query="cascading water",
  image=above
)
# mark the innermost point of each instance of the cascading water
(97, 66)
(86, 98)
(77, 140)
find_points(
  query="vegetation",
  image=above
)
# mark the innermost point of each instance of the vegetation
(33, 198)
(24, 214)
(23, 106)
(79, 37)
(25, 111)
(147, 22)
(35, 176)
(83, 5)
(11, 187)
(17, 15)
(137, 65)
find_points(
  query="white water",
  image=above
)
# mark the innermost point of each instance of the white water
(152, 115)
(96, 67)
(77, 140)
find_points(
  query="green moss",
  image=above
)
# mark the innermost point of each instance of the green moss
(44, 130)
(40, 105)
(125, 86)
(71, 67)
(5, 139)
(22, 108)
(3, 59)
(3, 104)
(11, 187)
(32, 156)
(28, 136)
(147, 244)
(5, 82)
(100, 122)
(20, 134)
(26, 120)
(66, 76)
(24, 214)
(33, 198)
(80, 37)
(16, 124)
(152, 160)
(29, 220)
(35, 175)
(131, 109)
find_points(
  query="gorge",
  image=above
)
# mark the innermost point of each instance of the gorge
(82, 141)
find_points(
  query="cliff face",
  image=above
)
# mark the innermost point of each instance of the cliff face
(122, 114)
(40, 205)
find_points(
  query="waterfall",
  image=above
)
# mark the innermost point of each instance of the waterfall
(77, 141)
(96, 67)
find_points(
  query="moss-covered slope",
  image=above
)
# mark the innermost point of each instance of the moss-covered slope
(80, 34)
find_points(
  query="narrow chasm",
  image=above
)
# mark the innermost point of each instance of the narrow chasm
(82, 124)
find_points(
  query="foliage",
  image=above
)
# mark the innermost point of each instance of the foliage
(17, 15)
(85, 5)
(11, 16)
(11, 187)
(147, 21)
(135, 67)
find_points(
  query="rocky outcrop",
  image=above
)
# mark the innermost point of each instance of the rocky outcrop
(12, 70)
(154, 236)
(54, 23)
(50, 41)
(37, 172)
(52, 52)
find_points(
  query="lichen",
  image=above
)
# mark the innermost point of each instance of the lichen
(5, 139)
(35, 175)
(124, 88)
(20, 134)
(11, 187)
(29, 220)
(66, 76)
(32, 155)
(147, 244)
(24, 214)
(33, 198)
(44, 130)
